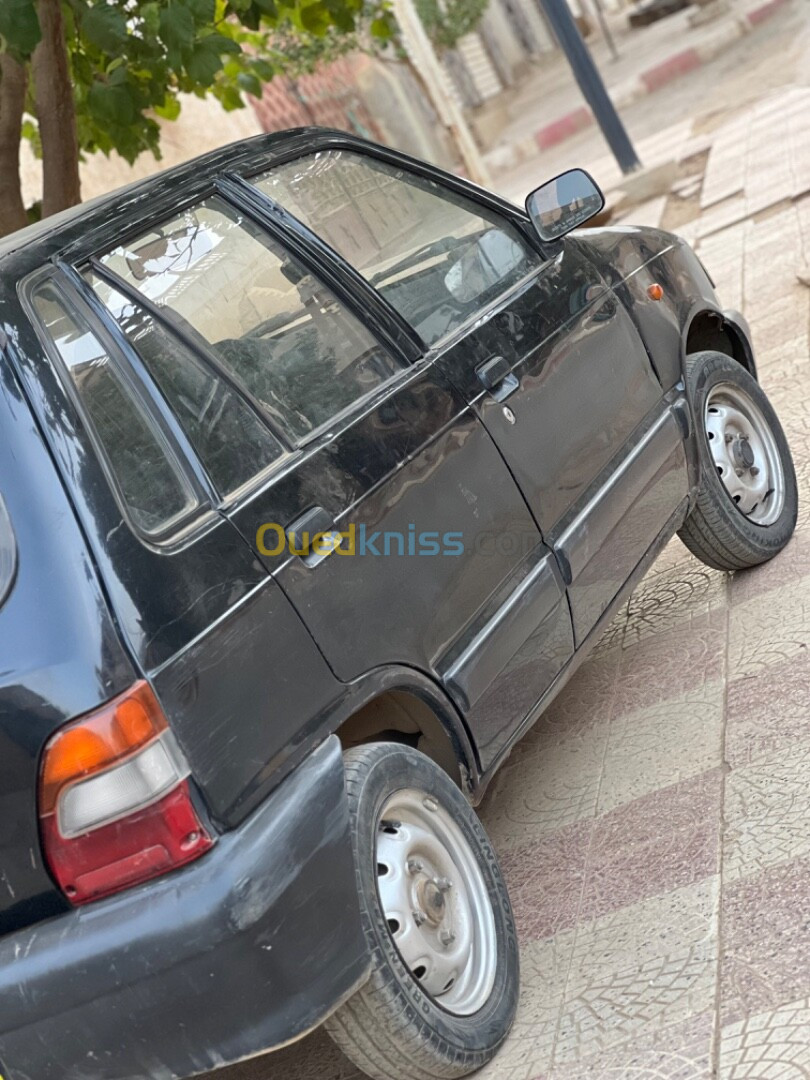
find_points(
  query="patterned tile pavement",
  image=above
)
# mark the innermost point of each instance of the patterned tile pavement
(654, 826)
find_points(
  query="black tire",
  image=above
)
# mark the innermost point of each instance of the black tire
(391, 1028)
(716, 531)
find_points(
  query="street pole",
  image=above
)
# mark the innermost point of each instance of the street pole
(590, 82)
(420, 48)
(606, 34)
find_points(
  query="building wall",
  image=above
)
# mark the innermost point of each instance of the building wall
(376, 99)
(328, 98)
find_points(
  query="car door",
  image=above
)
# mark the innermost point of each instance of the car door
(561, 379)
(535, 340)
(383, 460)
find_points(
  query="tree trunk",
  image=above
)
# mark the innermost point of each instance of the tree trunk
(56, 113)
(12, 102)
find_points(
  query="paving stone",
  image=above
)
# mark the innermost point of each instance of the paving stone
(545, 880)
(678, 1052)
(661, 667)
(692, 596)
(555, 783)
(768, 714)
(637, 970)
(773, 1045)
(769, 629)
(662, 744)
(767, 812)
(527, 1052)
(653, 845)
(766, 941)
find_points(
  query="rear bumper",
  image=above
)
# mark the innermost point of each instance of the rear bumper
(244, 950)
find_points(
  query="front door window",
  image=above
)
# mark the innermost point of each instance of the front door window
(436, 257)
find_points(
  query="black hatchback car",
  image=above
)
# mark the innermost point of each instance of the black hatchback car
(321, 472)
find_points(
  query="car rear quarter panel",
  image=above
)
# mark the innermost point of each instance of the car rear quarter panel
(59, 651)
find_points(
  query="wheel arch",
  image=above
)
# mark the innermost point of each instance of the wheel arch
(403, 705)
(726, 332)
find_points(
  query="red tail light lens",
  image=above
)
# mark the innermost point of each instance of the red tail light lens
(114, 799)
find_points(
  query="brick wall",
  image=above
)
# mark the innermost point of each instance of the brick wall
(329, 98)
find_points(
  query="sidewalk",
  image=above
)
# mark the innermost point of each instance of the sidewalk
(547, 107)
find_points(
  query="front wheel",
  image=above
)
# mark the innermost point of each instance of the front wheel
(746, 507)
(444, 983)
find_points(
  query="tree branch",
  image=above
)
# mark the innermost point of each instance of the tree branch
(13, 80)
(56, 112)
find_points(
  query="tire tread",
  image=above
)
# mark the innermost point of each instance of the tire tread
(714, 532)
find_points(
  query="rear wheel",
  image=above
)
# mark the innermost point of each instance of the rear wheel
(746, 507)
(444, 984)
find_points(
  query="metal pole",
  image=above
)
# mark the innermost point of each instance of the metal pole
(421, 51)
(606, 34)
(590, 82)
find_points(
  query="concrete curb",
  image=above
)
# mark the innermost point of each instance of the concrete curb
(630, 91)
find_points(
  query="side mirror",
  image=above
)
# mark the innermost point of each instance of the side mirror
(564, 203)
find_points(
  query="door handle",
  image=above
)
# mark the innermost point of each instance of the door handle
(313, 536)
(497, 377)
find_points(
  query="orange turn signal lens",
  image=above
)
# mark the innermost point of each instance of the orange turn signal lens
(98, 740)
(655, 292)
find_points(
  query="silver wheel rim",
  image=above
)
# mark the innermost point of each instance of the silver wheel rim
(745, 454)
(435, 901)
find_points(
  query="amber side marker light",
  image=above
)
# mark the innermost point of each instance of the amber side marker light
(655, 292)
(115, 804)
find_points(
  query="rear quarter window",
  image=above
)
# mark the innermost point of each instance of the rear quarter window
(156, 494)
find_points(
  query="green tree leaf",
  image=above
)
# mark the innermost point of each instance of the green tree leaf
(205, 62)
(113, 105)
(177, 30)
(203, 11)
(150, 13)
(249, 83)
(30, 132)
(315, 18)
(19, 26)
(381, 29)
(169, 110)
(105, 27)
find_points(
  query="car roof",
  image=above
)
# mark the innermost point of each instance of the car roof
(100, 223)
(86, 215)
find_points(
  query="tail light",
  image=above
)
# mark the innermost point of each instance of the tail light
(114, 800)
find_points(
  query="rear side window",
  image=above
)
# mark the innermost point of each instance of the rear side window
(437, 257)
(230, 439)
(155, 491)
(284, 336)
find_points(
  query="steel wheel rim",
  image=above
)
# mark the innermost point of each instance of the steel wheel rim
(435, 901)
(745, 454)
